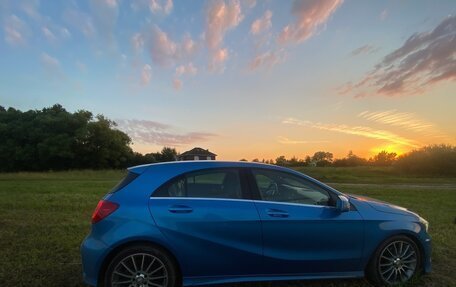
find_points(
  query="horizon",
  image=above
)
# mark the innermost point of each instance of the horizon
(244, 79)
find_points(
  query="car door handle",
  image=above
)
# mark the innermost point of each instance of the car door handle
(180, 209)
(277, 213)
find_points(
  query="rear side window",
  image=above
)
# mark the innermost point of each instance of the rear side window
(220, 183)
(125, 181)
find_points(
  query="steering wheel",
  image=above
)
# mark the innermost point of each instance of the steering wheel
(272, 190)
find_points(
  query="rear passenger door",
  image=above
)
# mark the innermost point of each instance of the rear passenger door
(211, 221)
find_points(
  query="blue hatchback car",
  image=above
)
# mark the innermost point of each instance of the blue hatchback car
(207, 222)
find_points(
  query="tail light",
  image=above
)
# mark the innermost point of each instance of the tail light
(103, 209)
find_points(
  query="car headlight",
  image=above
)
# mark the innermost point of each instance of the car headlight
(425, 223)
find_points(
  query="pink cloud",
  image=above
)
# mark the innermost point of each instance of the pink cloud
(137, 41)
(165, 51)
(425, 59)
(150, 132)
(188, 69)
(161, 6)
(146, 75)
(16, 31)
(384, 15)
(309, 16)
(262, 24)
(221, 17)
(177, 84)
(364, 50)
(267, 60)
(218, 58)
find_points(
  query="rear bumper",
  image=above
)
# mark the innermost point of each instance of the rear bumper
(92, 251)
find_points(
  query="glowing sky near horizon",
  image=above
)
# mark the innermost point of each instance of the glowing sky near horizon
(245, 79)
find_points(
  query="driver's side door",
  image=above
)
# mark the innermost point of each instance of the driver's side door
(303, 233)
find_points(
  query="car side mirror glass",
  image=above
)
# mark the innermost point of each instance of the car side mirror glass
(342, 203)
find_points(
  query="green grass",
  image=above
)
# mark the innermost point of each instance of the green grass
(45, 216)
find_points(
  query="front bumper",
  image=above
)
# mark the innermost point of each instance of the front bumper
(427, 251)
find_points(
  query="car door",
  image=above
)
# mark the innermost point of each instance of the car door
(211, 222)
(303, 233)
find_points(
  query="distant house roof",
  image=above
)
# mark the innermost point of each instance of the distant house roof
(198, 151)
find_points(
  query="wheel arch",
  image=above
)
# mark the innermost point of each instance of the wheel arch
(412, 236)
(130, 243)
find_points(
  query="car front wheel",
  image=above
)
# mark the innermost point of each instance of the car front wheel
(395, 262)
(141, 266)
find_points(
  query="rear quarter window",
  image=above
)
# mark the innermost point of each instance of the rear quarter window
(125, 181)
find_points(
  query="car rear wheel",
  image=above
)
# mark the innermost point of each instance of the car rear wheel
(395, 262)
(141, 266)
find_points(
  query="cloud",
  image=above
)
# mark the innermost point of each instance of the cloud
(30, 8)
(146, 75)
(267, 60)
(310, 15)
(137, 41)
(80, 21)
(164, 51)
(189, 46)
(150, 132)
(285, 140)
(262, 24)
(177, 84)
(217, 60)
(356, 130)
(425, 59)
(407, 121)
(384, 14)
(49, 35)
(104, 14)
(49, 62)
(188, 69)
(364, 50)
(16, 31)
(161, 6)
(221, 17)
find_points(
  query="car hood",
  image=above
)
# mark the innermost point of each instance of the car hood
(383, 206)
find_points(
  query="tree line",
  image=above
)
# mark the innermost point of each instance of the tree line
(428, 160)
(55, 139)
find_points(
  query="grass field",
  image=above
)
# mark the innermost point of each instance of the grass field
(45, 216)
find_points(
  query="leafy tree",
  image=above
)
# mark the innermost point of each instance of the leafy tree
(350, 160)
(322, 158)
(429, 160)
(384, 158)
(281, 160)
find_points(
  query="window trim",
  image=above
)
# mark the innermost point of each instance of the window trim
(256, 195)
(246, 192)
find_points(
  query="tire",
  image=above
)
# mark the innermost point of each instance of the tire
(139, 265)
(395, 262)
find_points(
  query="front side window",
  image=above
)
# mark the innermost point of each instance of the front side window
(204, 184)
(284, 187)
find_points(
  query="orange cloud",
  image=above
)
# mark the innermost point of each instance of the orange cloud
(285, 140)
(309, 16)
(356, 130)
(262, 24)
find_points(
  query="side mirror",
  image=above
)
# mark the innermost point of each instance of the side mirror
(342, 203)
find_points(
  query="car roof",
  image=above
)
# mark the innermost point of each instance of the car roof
(201, 164)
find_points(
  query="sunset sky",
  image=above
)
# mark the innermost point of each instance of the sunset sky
(245, 79)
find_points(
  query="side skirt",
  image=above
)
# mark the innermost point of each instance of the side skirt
(199, 281)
